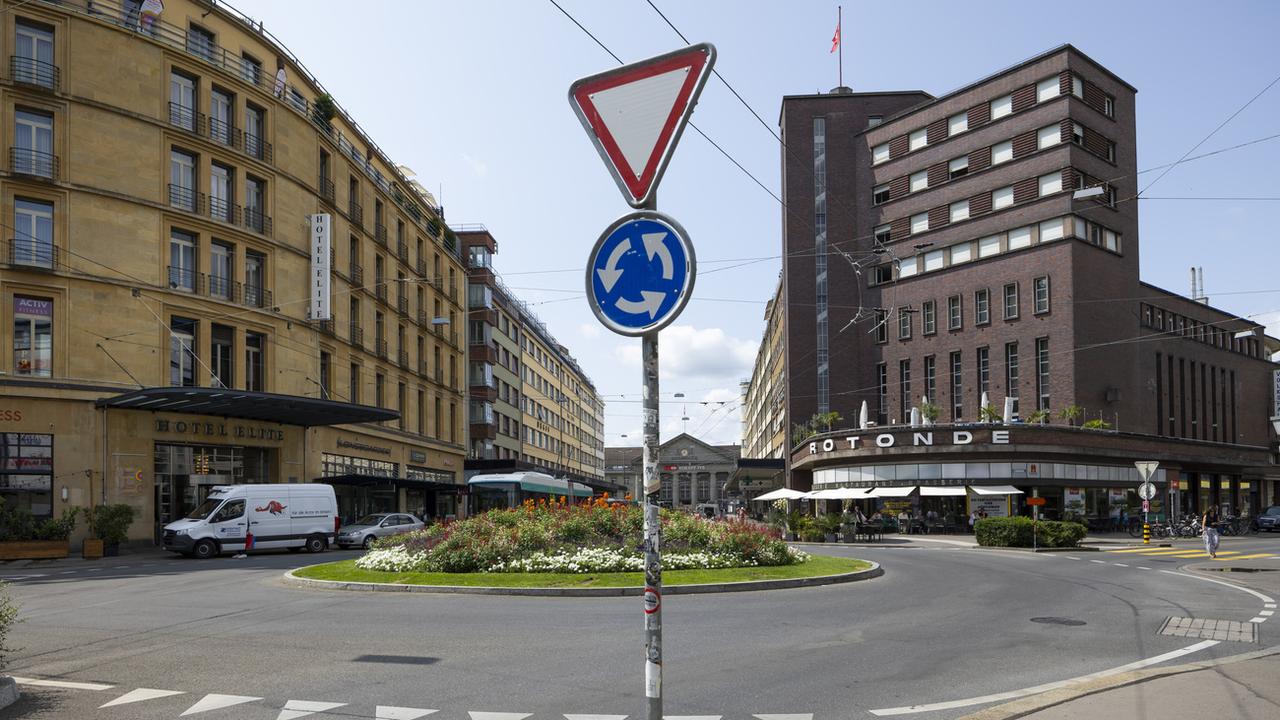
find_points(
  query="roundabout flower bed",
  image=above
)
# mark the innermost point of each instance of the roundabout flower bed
(592, 537)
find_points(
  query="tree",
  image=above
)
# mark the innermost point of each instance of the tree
(1040, 416)
(929, 412)
(1071, 414)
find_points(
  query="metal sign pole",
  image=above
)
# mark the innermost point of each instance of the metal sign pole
(652, 531)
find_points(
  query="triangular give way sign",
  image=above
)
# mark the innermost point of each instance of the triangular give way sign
(636, 113)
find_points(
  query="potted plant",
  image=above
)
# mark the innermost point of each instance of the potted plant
(1071, 414)
(323, 110)
(988, 413)
(111, 526)
(23, 538)
(1096, 424)
(1040, 416)
(830, 525)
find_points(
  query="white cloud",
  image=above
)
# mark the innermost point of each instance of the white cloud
(711, 354)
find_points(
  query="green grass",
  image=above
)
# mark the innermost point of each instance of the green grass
(346, 571)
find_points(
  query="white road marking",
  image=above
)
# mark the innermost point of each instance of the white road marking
(64, 684)
(595, 717)
(1267, 613)
(23, 577)
(140, 695)
(803, 716)
(119, 567)
(1269, 606)
(214, 701)
(392, 712)
(1257, 620)
(497, 715)
(692, 717)
(295, 709)
(1070, 557)
(1024, 692)
(1119, 564)
(1098, 561)
(1255, 593)
(67, 572)
(1143, 568)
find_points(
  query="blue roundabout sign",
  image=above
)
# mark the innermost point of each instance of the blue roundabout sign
(640, 273)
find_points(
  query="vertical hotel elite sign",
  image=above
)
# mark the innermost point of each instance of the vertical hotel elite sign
(321, 271)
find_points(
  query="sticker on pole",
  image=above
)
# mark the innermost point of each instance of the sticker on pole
(636, 113)
(640, 273)
(652, 601)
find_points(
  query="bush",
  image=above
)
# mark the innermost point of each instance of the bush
(17, 524)
(8, 617)
(1018, 532)
(111, 523)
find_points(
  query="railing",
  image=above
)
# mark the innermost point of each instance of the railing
(437, 282)
(453, 293)
(402, 251)
(402, 304)
(380, 290)
(380, 234)
(422, 368)
(439, 376)
(29, 71)
(357, 275)
(439, 331)
(422, 267)
(33, 254)
(224, 210)
(185, 198)
(224, 133)
(356, 212)
(380, 347)
(23, 161)
(403, 358)
(257, 222)
(256, 147)
(357, 335)
(255, 296)
(223, 288)
(424, 320)
(326, 190)
(324, 326)
(186, 280)
(188, 119)
(433, 227)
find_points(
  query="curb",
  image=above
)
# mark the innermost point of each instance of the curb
(8, 692)
(872, 572)
(1038, 550)
(1027, 706)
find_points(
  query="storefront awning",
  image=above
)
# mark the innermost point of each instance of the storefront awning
(888, 492)
(781, 494)
(247, 405)
(838, 494)
(926, 491)
(995, 490)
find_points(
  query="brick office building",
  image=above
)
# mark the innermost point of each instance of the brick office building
(937, 248)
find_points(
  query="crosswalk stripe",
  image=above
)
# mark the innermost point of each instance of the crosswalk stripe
(140, 695)
(295, 709)
(595, 717)
(1137, 550)
(64, 684)
(392, 712)
(1247, 557)
(214, 701)
(497, 715)
(801, 716)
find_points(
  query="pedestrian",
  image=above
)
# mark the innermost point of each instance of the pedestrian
(1124, 518)
(1209, 521)
(973, 519)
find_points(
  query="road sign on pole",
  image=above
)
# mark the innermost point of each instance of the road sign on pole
(640, 273)
(636, 113)
(1146, 491)
(1146, 468)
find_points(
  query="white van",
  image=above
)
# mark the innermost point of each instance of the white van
(278, 515)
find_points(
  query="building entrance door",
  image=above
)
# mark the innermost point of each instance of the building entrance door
(184, 474)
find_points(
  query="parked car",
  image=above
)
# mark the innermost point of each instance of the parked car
(371, 527)
(1269, 520)
(276, 515)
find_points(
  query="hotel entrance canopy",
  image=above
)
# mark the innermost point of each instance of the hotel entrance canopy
(247, 405)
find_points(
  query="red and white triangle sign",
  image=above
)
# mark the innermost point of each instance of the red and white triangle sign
(635, 114)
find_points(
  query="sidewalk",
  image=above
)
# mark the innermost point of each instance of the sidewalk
(127, 554)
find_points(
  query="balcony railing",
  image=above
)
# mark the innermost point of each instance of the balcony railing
(422, 368)
(380, 290)
(324, 326)
(23, 161)
(223, 288)
(439, 376)
(402, 251)
(380, 347)
(186, 280)
(185, 198)
(255, 296)
(326, 190)
(424, 320)
(422, 267)
(224, 133)
(257, 222)
(37, 73)
(403, 358)
(380, 234)
(402, 304)
(33, 254)
(357, 335)
(256, 147)
(224, 210)
(357, 275)
(356, 212)
(181, 116)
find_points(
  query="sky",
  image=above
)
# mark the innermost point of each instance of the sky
(473, 97)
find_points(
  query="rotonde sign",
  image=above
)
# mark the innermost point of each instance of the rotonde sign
(912, 439)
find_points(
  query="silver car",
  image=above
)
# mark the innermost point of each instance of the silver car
(1269, 520)
(371, 527)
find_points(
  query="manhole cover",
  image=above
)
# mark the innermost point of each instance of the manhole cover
(1057, 621)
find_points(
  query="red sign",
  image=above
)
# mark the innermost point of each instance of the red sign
(635, 114)
(1035, 501)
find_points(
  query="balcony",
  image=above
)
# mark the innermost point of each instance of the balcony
(357, 335)
(357, 275)
(256, 221)
(224, 133)
(422, 369)
(402, 305)
(380, 290)
(422, 268)
(380, 234)
(324, 326)
(186, 280)
(33, 163)
(402, 357)
(224, 210)
(257, 148)
(223, 288)
(181, 116)
(424, 320)
(327, 191)
(402, 251)
(439, 376)
(185, 198)
(29, 253)
(380, 349)
(35, 73)
(453, 293)
(356, 212)
(259, 297)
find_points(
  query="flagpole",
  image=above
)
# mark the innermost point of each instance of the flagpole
(840, 45)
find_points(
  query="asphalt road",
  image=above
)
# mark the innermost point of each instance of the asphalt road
(943, 624)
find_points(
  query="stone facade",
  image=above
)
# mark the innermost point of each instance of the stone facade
(692, 472)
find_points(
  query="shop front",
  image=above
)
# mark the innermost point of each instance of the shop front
(375, 474)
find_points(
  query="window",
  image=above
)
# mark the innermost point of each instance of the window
(1011, 301)
(882, 234)
(32, 244)
(255, 192)
(182, 101)
(957, 388)
(874, 120)
(917, 139)
(182, 353)
(1050, 230)
(182, 180)
(221, 257)
(1002, 198)
(919, 223)
(255, 128)
(400, 404)
(182, 261)
(221, 107)
(254, 275)
(961, 253)
(982, 307)
(33, 62)
(904, 323)
(929, 317)
(1019, 238)
(919, 181)
(958, 168)
(32, 336)
(33, 143)
(959, 211)
(255, 370)
(1040, 288)
(880, 153)
(222, 344)
(1048, 137)
(958, 123)
(200, 42)
(984, 370)
(882, 330)
(353, 381)
(220, 184)
(1051, 183)
(933, 260)
(250, 69)
(1110, 240)
(930, 379)
(1002, 152)
(955, 317)
(988, 246)
(422, 413)
(1042, 373)
(1109, 106)
(1001, 106)
(1011, 374)
(1111, 157)
(1077, 134)
(1077, 86)
(882, 393)
(1047, 89)
(880, 194)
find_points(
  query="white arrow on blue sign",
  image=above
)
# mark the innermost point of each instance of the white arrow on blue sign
(640, 273)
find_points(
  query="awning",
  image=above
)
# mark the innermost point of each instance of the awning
(781, 494)
(839, 494)
(888, 492)
(995, 490)
(247, 405)
(367, 480)
(927, 491)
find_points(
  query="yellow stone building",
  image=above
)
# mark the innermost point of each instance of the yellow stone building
(156, 278)
(764, 427)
